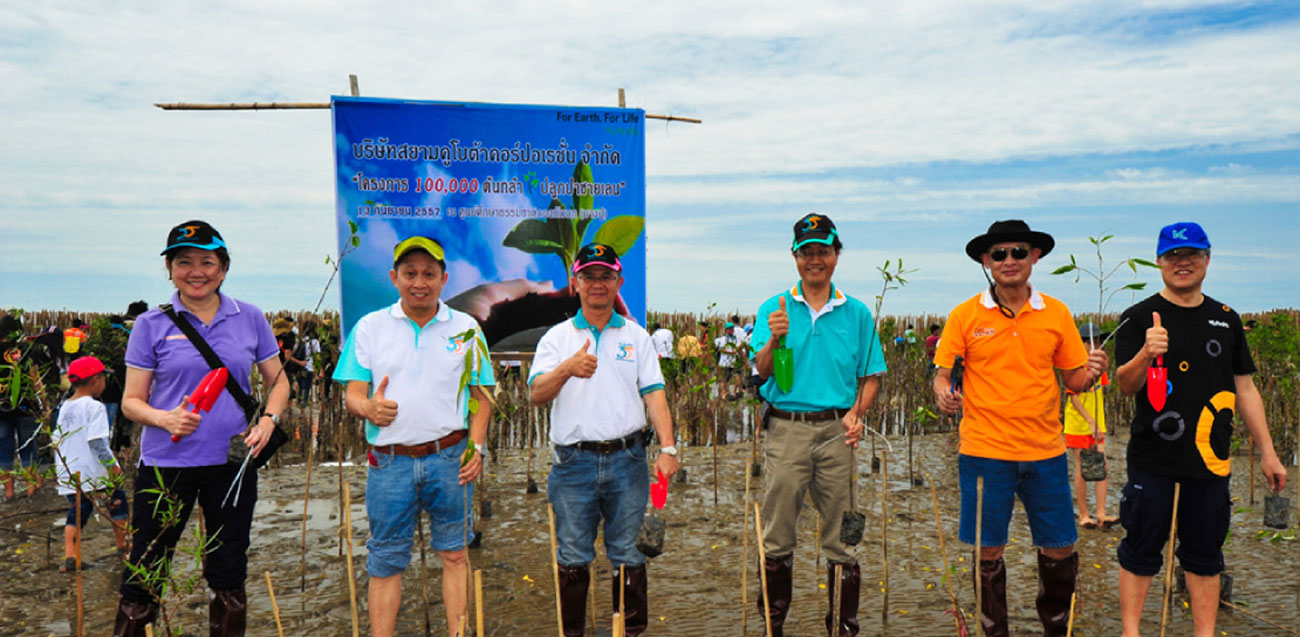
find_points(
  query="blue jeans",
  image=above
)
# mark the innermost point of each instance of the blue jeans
(16, 430)
(586, 487)
(397, 489)
(1043, 487)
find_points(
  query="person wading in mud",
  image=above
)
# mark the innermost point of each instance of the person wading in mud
(1011, 336)
(837, 359)
(602, 373)
(1187, 441)
(403, 366)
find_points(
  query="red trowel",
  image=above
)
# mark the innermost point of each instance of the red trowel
(659, 492)
(1157, 376)
(206, 394)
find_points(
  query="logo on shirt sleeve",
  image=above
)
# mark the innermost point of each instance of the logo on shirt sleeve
(456, 344)
(626, 352)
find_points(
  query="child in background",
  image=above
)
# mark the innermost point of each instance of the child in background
(81, 439)
(1085, 427)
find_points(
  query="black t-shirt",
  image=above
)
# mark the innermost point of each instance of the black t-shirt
(1192, 435)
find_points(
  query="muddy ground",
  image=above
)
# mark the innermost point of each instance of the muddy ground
(695, 586)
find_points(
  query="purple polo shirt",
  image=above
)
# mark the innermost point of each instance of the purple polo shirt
(240, 336)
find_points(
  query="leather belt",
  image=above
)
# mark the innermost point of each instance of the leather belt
(808, 416)
(610, 446)
(424, 448)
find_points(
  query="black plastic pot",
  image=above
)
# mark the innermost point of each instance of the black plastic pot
(531, 487)
(485, 509)
(1277, 511)
(851, 527)
(650, 540)
(1092, 464)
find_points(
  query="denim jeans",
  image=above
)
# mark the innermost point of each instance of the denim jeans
(586, 487)
(1043, 487)
(16, 430)
(398, 488)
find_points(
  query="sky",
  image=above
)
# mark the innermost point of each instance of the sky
(912, 125)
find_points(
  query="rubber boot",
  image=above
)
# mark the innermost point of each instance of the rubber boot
(850, 586)
(227, 613)
(779, 589)
(574, 581)
(132, 617)
(1056, 580)
(993, 585)
(635, 600)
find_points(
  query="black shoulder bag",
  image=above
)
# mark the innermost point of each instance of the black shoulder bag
(252, 411)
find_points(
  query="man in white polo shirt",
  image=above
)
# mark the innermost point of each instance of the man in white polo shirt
(414, 354)
(602, 372)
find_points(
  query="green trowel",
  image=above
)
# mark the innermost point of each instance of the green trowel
(783, 366)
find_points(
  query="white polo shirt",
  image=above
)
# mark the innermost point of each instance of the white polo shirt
(608, 405)
(424, 367)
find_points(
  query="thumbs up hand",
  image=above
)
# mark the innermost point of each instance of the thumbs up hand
(581, 364)
(1157, 342)
(778, 322)
(379, 409)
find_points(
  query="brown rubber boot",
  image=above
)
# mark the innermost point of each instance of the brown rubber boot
(635, 600)
(993, 582)
(779, 589)
(574, 581)
(850, 587)
(227, 613)
(132, 617)
(1056, 580)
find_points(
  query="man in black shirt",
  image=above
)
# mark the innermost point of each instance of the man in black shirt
(1188, 439)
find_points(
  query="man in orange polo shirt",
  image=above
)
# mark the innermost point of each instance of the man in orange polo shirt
(1011, 338)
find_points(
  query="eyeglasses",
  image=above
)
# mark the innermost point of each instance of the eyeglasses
(809, 252)
(608, 277)
(1195, 254)
(1000, 254)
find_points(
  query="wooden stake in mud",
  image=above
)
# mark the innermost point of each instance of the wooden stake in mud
(338, 440)
(884, 529)
(762, 569)
(352, 582)
(979, 557)
(555, 569)
(275, 608)
(478, 601)
(81, 612)
(424, 574)
(1169, 562)
(1252, 471)
(1069, 625)
(306, 500)
(621, 616)
(714, 444)
(947, 574)
(464, 625)
(835, 596)
(744, 561)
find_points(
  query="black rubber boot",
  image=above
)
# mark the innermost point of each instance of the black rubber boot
(993, 582)
(850, 587)
(132, 617)
(780, 587)
(1056, 579)
(635, 601)
(573, 598)
(227, 613)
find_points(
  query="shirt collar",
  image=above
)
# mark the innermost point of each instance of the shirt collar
(837, 297)
(226, 307)
(580, 321)
(443, 314)
(1035, 299)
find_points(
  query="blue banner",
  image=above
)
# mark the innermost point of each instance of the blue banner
(510, 191)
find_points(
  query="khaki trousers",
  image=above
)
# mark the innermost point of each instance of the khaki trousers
(805, 458)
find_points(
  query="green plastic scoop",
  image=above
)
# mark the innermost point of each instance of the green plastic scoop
(783, 366)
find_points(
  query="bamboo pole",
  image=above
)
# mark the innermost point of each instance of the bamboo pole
(744, 561)
(621, 616)
(836, 593)
(979, 558)
(1069, 626)
(555, 569)
(1247, 612)
(275, 608)
(1169, 562)
(352, 582)
(714, 444)
(81, 611)
(424, 574)
(762, 559)
(947, 574)
(884, 529)
(306, 501)
(270, 106)
(1251, 450)
(478, 601)
(464, 625)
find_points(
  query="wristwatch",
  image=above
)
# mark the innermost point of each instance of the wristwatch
(670, 450)
(275, 418)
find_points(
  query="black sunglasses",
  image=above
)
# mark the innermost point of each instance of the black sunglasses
(1000, 254)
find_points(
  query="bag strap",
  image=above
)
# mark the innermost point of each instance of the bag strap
(245, 401)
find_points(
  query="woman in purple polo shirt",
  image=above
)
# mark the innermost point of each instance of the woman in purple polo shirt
(163, 368)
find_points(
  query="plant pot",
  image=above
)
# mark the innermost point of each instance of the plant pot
(650, 540)
(476, 540)
(531, 487)
(1277, 511)
(680, 476)
(851, 528)
(485, 509)
(1092, 464)
(875, 464)
(1225, 584)
(756, 470)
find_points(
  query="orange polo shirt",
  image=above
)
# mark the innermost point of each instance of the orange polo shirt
(1011, 401)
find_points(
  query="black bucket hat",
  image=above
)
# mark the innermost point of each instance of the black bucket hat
(1008, 231)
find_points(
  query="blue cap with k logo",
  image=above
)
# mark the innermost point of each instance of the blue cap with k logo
(1183, 234)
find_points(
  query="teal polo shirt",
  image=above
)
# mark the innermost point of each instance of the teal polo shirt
(833, 348)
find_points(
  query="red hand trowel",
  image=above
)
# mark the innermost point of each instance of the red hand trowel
(659, 492)
(206, 394)
(1157, 375)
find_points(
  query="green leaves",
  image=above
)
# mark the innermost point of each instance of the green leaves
(1069, 267)
(469, 453)
(620, 233)
(540, 236)
(582, 175)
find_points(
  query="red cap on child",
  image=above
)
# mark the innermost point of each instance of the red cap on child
(84, 368)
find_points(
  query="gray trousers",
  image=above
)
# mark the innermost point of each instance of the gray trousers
(805, 458)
